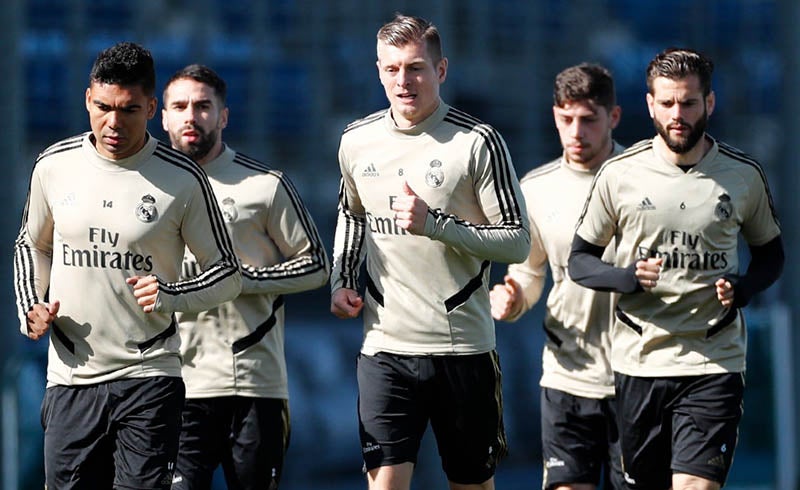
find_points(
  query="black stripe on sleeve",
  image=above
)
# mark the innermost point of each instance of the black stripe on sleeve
(500, 163)
(217, 272)
(353, 240)
(299, 266)
(740, 156)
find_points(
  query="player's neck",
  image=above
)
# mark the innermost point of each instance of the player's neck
(212, 154)
(691, 157)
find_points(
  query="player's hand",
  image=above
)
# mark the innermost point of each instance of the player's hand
(505, 298)
(724, 292)
(410, 211)
(39, 318)
(346, 303)
(648, 272)
(145, 289)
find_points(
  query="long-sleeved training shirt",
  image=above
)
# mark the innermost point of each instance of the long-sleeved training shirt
(575, 358)
(237, 348)
(692, 220)
(89, 224)
(427, 294)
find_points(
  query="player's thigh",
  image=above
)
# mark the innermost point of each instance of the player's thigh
(706, 426)
(574, 438)
(466, 416)
(147, 416)
(645, 431)
(259, 438)
(391, 415)
(204, 440)
(78, 452)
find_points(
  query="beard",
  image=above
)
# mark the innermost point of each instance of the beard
(683, 145)
(200, 148)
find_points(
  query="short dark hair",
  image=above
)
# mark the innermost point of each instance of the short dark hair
(406, 29)
(203, 74)
(125, 64)
(586, 81)
(679, 63)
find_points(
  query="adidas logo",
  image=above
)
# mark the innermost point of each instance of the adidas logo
(717, 461)
(646, 205)
(370, 171)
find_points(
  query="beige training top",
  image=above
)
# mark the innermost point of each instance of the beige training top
(577, 320)
(89, 224)
(237, 349)
(427, 294)
(693, 221)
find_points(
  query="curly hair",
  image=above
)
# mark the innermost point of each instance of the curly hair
(125, 64)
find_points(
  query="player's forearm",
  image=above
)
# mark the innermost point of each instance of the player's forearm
(766, 265)
(504, 242)
(587, 268)
(532, 287)
(31, 277)
(348, 249)
(218, 284)
(301, 273)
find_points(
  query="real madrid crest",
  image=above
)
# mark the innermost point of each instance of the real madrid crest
(435, 176)
(146, 210)
(724, 209)
(229, 212)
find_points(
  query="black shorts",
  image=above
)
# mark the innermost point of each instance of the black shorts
(121, 434)
(461, 396)
(247, 436)
(580, 442)
(682, 424)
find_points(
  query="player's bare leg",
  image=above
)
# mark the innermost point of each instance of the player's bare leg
(393, 477)
(682, 481)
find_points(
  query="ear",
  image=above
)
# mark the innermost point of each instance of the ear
(164, 120)
(88, 98)
(223, 118)
(614, 116)
(441, 70)
(711, 101)
(152, 105)
(650, 103)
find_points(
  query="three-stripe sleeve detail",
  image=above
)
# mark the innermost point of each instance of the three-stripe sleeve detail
(219, 271)
(299, 266)
(746, 159)
(24, 279)
(375, 116)
(354, 233)
(501, 168)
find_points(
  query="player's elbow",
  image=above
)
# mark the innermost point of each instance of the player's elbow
(518, 249)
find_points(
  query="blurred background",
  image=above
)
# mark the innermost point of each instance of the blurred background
(299, 70)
